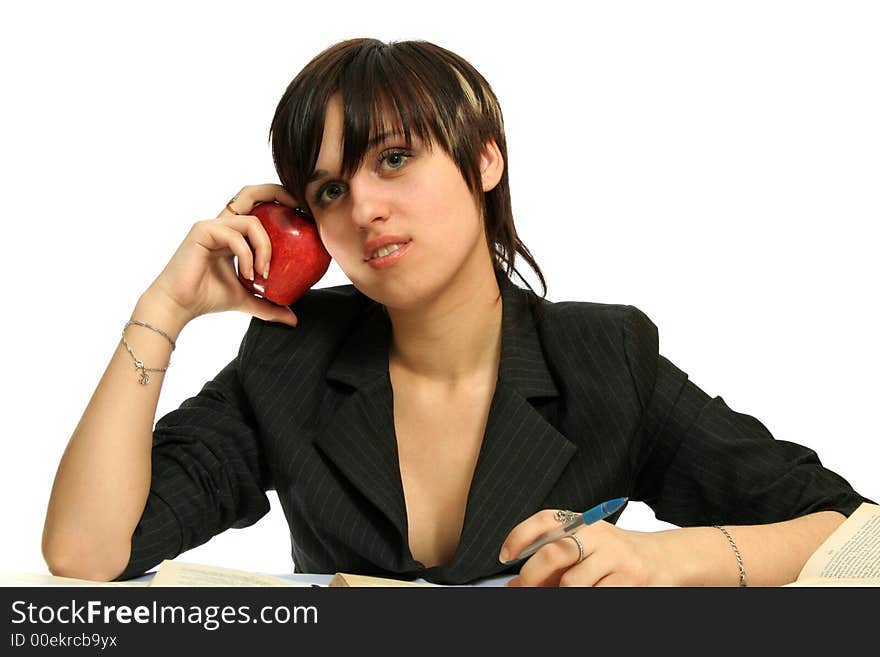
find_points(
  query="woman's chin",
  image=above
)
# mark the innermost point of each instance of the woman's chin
(398, 295)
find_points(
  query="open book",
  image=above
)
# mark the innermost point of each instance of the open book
(177, 573)
(850, 556)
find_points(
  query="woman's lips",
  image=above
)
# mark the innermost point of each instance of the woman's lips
(391, 259)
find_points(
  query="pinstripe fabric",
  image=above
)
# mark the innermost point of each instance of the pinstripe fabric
(585, 409)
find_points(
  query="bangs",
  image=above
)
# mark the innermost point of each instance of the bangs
(366, 119)
(411, 88)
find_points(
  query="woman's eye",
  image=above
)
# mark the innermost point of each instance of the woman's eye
(332, 189)
(392, 157)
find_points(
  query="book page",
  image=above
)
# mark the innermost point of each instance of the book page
(37, 579)
(840, 581)
(852, 552)
(176, 573)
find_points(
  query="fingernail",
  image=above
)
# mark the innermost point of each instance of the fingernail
(504, 557)
(266, 271)
(251, 274)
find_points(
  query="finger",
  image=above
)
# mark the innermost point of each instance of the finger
(250, 195)
(257, 238)
(527, 532)
(612, 579)
(216, 236)
(587, 573)
(547, 565)
(268, 311)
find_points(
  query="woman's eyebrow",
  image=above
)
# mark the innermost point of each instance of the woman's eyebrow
(321, 173)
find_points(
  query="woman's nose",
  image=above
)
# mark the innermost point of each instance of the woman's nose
(369, 202)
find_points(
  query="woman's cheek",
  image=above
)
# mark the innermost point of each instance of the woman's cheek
(329, 239)
(344, 249)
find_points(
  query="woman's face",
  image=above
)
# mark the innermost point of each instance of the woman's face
(414, 200)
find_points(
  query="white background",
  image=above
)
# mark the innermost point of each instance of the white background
(715, 164)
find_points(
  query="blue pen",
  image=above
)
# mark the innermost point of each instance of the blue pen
(595, 514)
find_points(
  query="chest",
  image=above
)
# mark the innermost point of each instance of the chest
(439, 436)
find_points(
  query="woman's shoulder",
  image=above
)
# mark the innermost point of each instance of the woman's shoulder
(612, 327)
(330, 304)
(324, 316)
(573, 309)
(588, 339)
(590, 313)
(335, 300)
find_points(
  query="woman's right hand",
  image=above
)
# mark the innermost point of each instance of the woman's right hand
(200, 278)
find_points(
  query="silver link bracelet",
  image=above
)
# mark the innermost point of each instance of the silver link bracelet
(739, 561)
(138, 364)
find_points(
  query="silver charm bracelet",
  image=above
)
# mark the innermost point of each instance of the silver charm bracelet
(138, 364)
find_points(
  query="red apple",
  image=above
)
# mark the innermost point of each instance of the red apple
(299, 259)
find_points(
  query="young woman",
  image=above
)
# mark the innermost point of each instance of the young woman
(431, 419)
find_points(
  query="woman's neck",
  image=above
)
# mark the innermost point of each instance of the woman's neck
(454, 338)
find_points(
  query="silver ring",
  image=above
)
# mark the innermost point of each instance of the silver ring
(581, 555)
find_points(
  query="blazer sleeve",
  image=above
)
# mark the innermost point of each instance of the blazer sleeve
(698, 462)
(208, 471)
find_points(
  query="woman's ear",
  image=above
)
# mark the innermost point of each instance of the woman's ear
(491, 165)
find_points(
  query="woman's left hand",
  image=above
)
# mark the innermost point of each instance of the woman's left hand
(612, 556)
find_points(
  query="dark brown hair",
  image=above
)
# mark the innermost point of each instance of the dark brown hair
(434, 93)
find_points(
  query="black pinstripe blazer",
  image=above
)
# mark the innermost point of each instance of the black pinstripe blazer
(585, 409)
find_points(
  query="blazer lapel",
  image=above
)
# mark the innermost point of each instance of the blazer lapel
(522, 455)
(359, 437)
